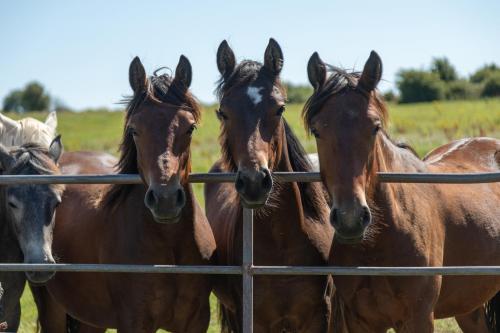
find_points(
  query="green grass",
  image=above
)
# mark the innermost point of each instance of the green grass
(424, 126)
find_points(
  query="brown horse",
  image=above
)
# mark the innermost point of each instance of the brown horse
(381, 224)
(158, 222)
(291, 220)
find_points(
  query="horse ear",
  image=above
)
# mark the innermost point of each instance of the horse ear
(372, 73)
(137, 76)
(7, 161)
(8, 123)
(51, 120)
(226, 61)
(316, 71)
(273, 57)
(184, 72)
(56, 149)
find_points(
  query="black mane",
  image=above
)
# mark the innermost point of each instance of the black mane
(245, 73)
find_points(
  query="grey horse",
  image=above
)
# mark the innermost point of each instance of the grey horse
(26, 221)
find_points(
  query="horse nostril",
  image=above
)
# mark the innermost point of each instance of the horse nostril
(334, 217)
(239, 184)
(181, 198)
(267, 181)
(150, 199)
(367, 216)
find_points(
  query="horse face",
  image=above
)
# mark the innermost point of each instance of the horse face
(346, 128)
(252, 126)
(162, 136)
(31, 208)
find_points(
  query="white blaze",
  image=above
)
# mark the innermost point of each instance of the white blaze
(254, 94)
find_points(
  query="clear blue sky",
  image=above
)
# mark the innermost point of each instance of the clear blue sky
(81, 50)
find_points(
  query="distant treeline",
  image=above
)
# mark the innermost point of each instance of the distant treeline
(439, 82)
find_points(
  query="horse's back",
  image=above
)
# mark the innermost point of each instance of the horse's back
(466, 155)
(87, 162)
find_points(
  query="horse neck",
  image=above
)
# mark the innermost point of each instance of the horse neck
(285, 202)
(386, 197)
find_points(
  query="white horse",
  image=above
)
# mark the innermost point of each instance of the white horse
(17, 132)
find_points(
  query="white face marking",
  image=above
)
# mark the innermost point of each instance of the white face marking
(254, 94)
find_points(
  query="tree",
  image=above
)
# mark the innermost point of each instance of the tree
(13, 101)
(443, 68)
(32, 98)
(35, 98)
(484, 72)
(419, 86)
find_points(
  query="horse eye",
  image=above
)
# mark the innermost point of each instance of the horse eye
(12, 205)
(221, 115)
(191, 129)
(376, 129)
(315, 133)
(132, 131)
(280, 111)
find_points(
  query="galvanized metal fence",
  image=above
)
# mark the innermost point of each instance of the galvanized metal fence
(248, 270)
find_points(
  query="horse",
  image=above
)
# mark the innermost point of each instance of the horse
(26, 221)
(14, 133)
(387, 224)
(291, 219)
(51, 316)
(157, 222)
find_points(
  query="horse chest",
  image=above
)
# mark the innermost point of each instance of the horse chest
(372, 299)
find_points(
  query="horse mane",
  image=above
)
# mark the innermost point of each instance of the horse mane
(33, 157)
(338, 82)
(162, 88)
(313, 194)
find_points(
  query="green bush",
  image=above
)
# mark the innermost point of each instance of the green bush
(484, 72)
(298, 93)
(492, 86)
(419, 86)
(462, 89)
(390, 96)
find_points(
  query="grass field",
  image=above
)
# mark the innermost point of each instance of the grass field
(424, 126)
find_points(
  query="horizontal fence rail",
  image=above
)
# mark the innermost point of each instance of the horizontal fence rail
(387, 177)
(248, 270)
(441, 178)
(255, 270)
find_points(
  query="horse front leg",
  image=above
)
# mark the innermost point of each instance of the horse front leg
(473, 322)
(419, 323)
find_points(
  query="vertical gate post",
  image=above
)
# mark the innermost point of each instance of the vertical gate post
(247, 270)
